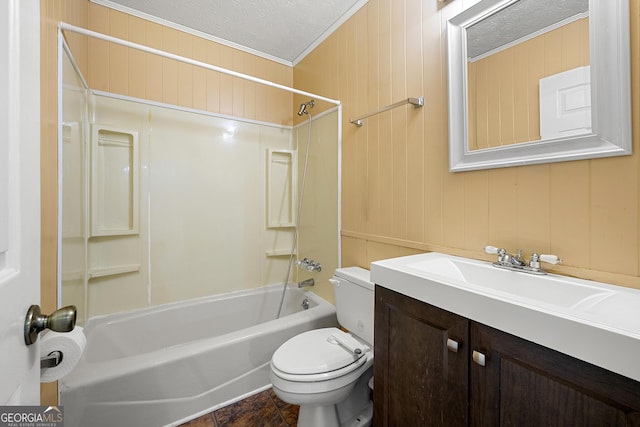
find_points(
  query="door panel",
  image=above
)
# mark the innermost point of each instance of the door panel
(19, 197)
(419, 380)
(523, 383)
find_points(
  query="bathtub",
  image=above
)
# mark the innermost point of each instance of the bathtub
(162, 365)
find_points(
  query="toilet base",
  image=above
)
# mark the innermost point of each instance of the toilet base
(312, 416)
(363, 419)
(327, 416)
(354, 411)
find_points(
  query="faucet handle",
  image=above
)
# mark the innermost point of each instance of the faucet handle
(491, 250)
(550, 259)
(534, 262)
(503, 256)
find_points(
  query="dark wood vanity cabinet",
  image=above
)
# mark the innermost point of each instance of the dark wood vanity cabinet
(418, 381)
(421, 381)
(526, 384)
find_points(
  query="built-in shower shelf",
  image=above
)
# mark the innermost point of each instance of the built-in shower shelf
(110, 271)
(281, 188)
(281, 252)
(114, 181)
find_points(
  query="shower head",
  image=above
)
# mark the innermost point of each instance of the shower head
(303, 107)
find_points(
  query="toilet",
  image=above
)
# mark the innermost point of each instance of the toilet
(327, 371)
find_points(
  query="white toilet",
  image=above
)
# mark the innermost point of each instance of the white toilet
(327, 371)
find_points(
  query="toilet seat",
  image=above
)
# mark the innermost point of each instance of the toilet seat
(317, 355)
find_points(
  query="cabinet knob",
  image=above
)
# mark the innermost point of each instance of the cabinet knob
(452, 345)
(479, 358)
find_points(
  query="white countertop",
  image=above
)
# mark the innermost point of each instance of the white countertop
(592, 321)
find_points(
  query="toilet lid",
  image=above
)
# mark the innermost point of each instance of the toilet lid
(316, 352)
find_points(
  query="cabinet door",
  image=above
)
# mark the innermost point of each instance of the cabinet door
(525, 384)
(419, 380)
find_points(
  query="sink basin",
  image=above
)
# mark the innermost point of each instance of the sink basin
(592, 321)
(546, 289)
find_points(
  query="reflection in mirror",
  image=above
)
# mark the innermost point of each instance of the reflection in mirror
(533, 81)
(510, 55)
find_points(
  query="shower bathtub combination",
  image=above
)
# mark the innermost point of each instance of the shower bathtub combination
(165, 364)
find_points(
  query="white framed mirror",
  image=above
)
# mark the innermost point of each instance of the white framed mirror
(495, 120)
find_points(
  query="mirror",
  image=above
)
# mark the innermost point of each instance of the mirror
(506, 89)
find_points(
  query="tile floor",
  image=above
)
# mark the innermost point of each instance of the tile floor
(264, 409)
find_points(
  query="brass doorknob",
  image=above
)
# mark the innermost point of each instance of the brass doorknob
(61, 320)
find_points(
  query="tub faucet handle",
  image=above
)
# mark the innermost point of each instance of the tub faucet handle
(309, 265)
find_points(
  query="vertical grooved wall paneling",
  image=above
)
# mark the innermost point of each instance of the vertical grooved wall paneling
(398, 195)
(129, 72)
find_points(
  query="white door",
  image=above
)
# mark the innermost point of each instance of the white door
(19, 197)
(565, 104)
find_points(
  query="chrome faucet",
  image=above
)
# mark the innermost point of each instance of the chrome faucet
(517, 260)
(517, 263)
(305, 283)
(505, 258)
(309, 265)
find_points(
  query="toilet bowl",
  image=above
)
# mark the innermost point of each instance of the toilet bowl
(327, 371)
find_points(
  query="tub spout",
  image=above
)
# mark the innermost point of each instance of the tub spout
(305, 283)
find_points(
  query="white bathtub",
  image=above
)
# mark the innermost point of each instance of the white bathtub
(157, 366)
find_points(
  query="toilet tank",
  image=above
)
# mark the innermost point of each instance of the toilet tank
(354, 301)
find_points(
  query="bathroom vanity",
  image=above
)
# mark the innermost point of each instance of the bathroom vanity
(459, 342)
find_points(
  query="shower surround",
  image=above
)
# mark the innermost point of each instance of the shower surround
(184, 197)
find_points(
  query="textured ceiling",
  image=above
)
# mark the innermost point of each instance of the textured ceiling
(518, 20)
(283, 30)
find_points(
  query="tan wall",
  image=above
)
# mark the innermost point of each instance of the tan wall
(130, 72)
(398, 196)
(504, 90)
